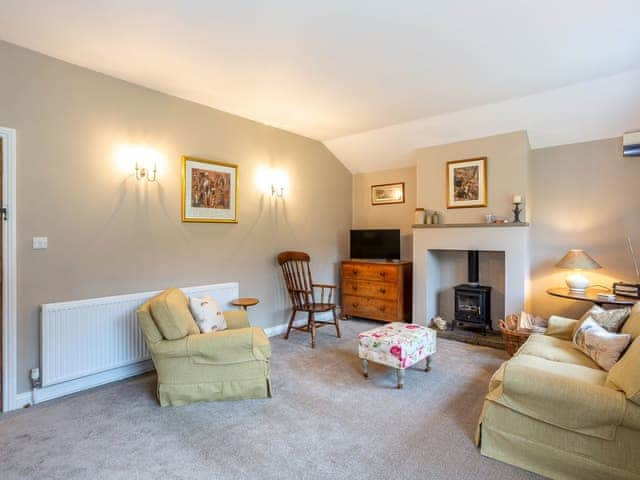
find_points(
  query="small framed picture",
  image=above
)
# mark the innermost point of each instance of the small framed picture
(209, 191)
(387, 193)
(467, 183)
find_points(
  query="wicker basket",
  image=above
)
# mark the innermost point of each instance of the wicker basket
(513, 338)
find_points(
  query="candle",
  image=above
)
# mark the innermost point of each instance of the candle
(517, 199)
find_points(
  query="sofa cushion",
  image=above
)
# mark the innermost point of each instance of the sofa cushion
(568, 396)
(556, 350)
(561, 327)
(604, 347)
(632, 325)
(625, 375)
(170, 311)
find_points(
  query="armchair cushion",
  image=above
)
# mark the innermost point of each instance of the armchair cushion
(625, 375)
(229, 346)
(170, 311)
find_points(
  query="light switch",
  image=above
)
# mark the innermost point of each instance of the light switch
(40, 243)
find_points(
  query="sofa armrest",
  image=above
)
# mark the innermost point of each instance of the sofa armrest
(236, 319)
(561, 327)
(563, 399)
(226, 347)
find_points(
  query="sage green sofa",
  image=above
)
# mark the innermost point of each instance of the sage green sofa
(193, 367)
(553, 411)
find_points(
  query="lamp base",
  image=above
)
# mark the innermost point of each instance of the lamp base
(577, 282)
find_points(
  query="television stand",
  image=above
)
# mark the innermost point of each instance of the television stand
(377, 289)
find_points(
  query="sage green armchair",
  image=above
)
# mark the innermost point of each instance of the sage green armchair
(193, 367)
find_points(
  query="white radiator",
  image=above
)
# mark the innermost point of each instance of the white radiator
(87, 337)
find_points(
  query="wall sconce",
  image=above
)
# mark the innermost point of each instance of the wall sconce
(142, 160)
(272, 181)
(277, 190)
(143, 172)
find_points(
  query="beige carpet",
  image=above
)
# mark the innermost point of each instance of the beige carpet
(325, 421)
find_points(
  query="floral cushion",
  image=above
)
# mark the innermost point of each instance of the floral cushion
(397, 344)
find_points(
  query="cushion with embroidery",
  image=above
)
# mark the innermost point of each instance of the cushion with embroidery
(207, 314)
(601, 346)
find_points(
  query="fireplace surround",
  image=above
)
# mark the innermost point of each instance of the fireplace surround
(428, 240)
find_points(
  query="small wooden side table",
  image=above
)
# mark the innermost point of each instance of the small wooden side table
(245, 302)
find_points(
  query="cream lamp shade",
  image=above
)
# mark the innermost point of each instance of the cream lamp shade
(577, 260)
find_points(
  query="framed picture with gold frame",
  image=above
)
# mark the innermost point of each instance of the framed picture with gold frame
(387, 193)
(209, 191)
(467, 183)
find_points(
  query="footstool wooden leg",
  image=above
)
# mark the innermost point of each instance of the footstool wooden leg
(400, 372)
(365, 367)
(427, 367)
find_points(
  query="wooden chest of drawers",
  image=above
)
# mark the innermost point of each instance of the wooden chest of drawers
(377, 290)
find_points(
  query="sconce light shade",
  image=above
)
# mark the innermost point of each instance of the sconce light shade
(577, 260)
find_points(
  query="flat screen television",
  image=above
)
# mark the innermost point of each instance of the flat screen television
(375, 244)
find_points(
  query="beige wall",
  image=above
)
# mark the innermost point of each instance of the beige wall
(507, 166)
(110, 234)
(586, 196)
(399, 215)
(579, 196)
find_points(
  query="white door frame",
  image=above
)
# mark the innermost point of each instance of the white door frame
(9, 285)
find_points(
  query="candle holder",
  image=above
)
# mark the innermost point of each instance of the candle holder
(516, 212)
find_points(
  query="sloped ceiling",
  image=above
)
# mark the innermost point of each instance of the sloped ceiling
(335, 68)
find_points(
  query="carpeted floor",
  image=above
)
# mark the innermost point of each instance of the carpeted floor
(325, 421)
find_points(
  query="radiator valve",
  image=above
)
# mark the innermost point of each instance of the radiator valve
(35, 378)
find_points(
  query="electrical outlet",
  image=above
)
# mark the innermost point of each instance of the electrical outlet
(40, 243)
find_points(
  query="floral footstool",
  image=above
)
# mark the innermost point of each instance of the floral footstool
(398, 345)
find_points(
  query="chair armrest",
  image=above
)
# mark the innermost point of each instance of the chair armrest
(169, 348)
(562, 398)
(236, 319)
(228, 346)
(561, 327)
(323, 285)
(325, 288)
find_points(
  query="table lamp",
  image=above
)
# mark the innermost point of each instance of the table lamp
(577, 260)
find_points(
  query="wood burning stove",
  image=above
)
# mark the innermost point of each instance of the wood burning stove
(472, 300)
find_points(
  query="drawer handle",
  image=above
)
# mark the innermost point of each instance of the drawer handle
(355, 272)
(383, 290)
(383, 308)
(354, 305)
(383, 274)
(354, 287)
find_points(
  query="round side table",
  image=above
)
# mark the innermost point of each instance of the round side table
(245, 302)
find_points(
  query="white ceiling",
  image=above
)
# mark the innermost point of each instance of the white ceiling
(331, 68)
(592, 110)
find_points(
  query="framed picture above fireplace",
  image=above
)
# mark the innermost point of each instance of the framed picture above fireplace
(467, 183)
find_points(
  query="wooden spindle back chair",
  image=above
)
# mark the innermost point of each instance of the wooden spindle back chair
(296, 270)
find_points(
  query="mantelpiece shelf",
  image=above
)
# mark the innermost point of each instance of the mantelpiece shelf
(468, 225)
